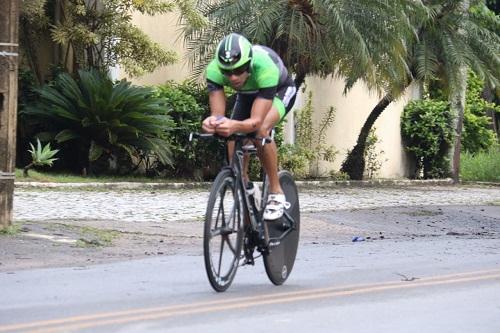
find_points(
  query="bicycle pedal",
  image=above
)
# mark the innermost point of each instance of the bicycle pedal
(248, 262)
(274, 243)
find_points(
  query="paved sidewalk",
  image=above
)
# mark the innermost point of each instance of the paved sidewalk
(38, 204)
(76, 227)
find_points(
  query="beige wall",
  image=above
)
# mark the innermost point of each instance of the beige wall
(352, 110)
(163, 29)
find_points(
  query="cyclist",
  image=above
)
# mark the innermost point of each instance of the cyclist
(265, 94)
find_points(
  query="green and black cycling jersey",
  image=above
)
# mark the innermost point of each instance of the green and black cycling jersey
(267, 72)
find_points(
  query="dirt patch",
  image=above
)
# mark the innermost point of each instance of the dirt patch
(55, 243)
(407, 222)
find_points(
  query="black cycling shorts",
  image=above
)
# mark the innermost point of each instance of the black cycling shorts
(283, 101)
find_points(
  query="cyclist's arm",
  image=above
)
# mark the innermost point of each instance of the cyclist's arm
(217, 102)
(260, 108)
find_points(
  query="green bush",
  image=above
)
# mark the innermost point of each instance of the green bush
(187, 104)
(294, 159)
(302, 158)
(481, 166)
(372, 155)
(477, 134)
(427, 134)
(95, 120)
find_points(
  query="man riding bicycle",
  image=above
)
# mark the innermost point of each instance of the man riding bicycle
(265, 94)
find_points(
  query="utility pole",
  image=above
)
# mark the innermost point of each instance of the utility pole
(9, 35)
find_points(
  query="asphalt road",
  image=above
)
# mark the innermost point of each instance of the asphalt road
(430, 262)
(440, 274)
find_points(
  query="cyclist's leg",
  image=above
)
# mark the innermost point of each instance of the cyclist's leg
(268, 153)
(282, 103)
(241, 111)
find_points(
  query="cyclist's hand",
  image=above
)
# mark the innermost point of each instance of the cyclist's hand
(225, 127)
(209, 124)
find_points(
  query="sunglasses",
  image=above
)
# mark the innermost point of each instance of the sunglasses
(237, 71)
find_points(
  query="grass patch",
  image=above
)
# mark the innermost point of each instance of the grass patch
(93, 237)
(482, 166)
(86, 236)
(52, 177)
(10, 230)
(424, 212)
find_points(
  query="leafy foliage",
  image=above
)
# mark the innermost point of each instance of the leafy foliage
(358, 40)
(477, 134)
(372, 156)
(449, 39)
(294, 159)
(302, 158)
(427, 133)
(97, 118)
(481, 166)
(100, 34)
(187, 104)
(40, 156)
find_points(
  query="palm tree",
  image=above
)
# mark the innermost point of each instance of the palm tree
(356, 40)
(450, 40)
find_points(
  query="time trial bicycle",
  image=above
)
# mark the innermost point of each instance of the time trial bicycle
(234, 228)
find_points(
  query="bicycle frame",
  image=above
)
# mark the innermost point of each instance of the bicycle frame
(238, 224)
(237, 167)
(254, 215)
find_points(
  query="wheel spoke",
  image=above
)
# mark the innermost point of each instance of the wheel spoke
(220, 212)
(230, 245)
(220, 255)
(215, 232)
(222, 233)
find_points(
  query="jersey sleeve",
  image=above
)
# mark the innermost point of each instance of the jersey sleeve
(267, 93)
(212, 86)
(214, 75)
(268, 74)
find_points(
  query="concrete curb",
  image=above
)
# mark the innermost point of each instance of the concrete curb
(116, 186)
(303, 184)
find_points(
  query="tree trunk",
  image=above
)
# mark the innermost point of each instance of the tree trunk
(354, 164)
(9, 35)
(457, 105)
(299, 80)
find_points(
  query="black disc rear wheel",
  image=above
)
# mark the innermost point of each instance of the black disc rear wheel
(280, 258)
(223, 232)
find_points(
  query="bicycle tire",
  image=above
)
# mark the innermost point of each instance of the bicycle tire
(223, 232)
(280, 259)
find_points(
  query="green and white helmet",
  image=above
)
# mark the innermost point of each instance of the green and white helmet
(233, 51)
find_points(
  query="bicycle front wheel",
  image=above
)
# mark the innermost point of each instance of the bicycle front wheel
(223, 233)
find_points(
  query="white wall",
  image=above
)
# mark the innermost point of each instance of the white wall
(352, 110)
